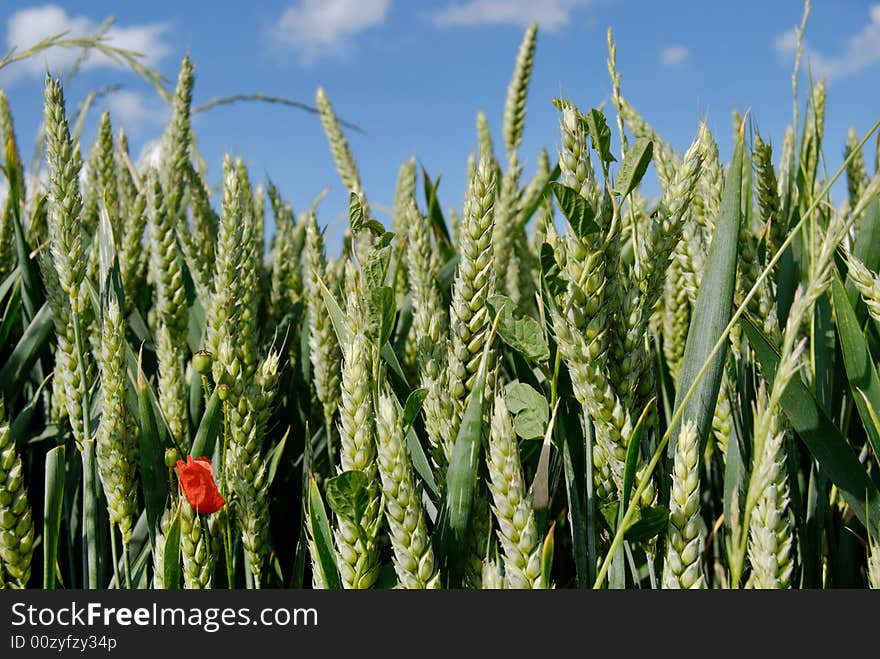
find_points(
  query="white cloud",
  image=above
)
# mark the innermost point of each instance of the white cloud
(673, 56)
(550, 14)
(861, 51)
(28, 26)
(315, 28)
(150, 155)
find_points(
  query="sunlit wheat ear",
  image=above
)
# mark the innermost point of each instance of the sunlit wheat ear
(195, 548)
(856, 171)
(413, 554)
(515, 105)
(474, 283)
(117, 441)
(517, 529)
(874, 566)
(686, 533)
(339, 146)
(867, 283)
(64, 266)
(170, 308)
(324, 351)
(16, 525)
(358, 553)
(666, 160)
(8, 257)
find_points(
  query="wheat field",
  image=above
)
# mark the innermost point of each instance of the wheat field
(561, 383)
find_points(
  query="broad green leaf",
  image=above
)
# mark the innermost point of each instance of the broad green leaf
(576, 209)
(523, 334)
(821, 437)
(857, 360)
(652, 521)
(387, 314)
(600, 134)
(355, 213)
(385, 238)
(319, 528)
(376, 269)
(712, 311)
(531, 424)
(54, 493)
(635, 164)
(530, 409)
(377, 229)
(348, 495)
(171, 558)
(610, 511)
(551, 273)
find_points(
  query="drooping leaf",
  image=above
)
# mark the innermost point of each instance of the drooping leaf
(576, 209)
(356, 219)
(551, 273)
(523, 334)
(635, 164)
(600, 134)
(530, 409)
(348, 495)
(652, 521)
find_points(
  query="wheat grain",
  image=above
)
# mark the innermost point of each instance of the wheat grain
(16, 525)
(686, 535)
(517, 530)
(413, 555)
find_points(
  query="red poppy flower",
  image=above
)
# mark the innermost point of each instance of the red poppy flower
(197, 483)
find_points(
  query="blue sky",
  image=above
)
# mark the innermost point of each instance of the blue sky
(414, 75)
